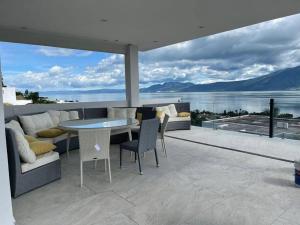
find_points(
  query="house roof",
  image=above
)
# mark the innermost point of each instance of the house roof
(111, 25)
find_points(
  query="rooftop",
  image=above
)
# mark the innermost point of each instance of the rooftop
(196, 184)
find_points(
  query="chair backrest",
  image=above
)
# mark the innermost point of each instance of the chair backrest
(148, 134)
(164, 126)
(94, 144)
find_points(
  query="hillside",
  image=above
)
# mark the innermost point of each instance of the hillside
(283, 80)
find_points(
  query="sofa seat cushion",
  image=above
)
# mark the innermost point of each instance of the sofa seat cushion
(178, 119)
(41, 147)
(35, 123)
(50, 133)
(41, 160)
(58, 138)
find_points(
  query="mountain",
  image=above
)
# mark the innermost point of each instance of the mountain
(282, 80)
(168, 87)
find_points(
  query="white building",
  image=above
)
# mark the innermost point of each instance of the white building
(10, 97)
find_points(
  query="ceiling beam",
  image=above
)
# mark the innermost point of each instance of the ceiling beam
(62, 41)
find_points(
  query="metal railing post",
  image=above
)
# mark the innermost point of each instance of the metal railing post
(271, 121)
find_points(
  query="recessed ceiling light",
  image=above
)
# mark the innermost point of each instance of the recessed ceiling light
(103, 20)
(200, 27)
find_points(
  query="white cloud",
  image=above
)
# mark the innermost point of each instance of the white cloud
(52, 51)
(108, 73)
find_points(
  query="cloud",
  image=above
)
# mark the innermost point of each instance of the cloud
(63, 52)
(234, 55)
(108, 73)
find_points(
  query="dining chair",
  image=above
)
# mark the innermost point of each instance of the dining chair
(161, 134)
(93, 146)
(146, 142)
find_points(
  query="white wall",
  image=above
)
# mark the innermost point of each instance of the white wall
(6, 215)
(9, 95)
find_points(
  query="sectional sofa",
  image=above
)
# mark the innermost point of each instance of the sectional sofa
(176, 122)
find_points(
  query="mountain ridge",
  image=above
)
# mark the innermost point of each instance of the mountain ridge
(281, 80)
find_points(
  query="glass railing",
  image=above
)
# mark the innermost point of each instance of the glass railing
(282, 122)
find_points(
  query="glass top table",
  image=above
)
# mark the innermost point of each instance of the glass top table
(98, 124)
(117, 126)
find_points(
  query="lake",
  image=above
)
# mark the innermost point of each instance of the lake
(287, 101)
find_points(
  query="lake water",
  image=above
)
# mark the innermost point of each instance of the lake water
(287, 101)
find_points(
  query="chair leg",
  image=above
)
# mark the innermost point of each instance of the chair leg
(156, 158)
(139, 160)
(120, 158)
(81, 174)
(68, 144)
(105, 166)
(109, 171)
(162, 145)
(135, 156)
(165, 149)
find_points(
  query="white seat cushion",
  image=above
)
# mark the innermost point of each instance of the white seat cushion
(35, 123)
(176, 119)
(40, 161)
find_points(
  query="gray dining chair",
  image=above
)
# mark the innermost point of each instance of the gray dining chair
(94, 145)
(146, 142)
(161, 134)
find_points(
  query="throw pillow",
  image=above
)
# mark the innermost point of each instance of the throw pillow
(184, 114)
(173, 111)
(110, 113)
(131, 113)
(30, 138)
(34, 123)
(139, 117)
(54, 116)
(74, 115)
(64, 116)
(120, 113)
(26, 154)
(164, 109)
(160, 115)
(50, 133)
(14, 125)
(41, 147)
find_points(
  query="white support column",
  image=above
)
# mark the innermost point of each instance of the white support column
(6, 213)
(132, 76)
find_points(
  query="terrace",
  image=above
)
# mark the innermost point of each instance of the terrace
(196, 184)
(205, 179)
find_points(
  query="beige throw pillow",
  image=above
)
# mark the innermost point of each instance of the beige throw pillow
(26, 154)
(74, 115)
(173, 111)
(34, 123)
(14, 125)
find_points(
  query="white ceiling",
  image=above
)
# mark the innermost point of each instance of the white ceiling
(148, 24)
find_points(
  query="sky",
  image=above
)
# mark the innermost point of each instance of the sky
(239, 54)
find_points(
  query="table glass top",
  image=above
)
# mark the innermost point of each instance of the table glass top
(97, 123)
